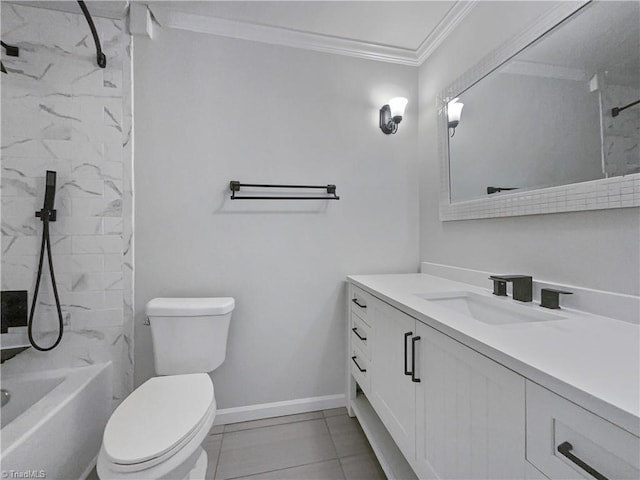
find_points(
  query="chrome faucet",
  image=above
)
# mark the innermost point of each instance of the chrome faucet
(522, 286)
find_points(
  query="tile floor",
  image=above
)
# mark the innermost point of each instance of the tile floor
(324, 445)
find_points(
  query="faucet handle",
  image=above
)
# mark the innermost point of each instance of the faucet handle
(550, 297)
(499, 286)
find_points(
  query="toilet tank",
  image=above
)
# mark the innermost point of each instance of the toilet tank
(189, 334)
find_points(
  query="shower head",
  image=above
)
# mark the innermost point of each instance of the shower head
(50, 190)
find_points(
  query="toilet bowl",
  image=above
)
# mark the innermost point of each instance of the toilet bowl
(157, 431)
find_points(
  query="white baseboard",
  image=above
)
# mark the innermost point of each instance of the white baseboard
(89, 468)
(278, 409)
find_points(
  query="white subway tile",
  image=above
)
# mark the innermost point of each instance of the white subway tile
(23, 147)
(79, 263)
(84, 300)
(66, 225)
(97, 244)
(84, 282)
(113, 299)
(113, 262)
(83, 188)
(17, 186)
(96, 207)
(96, 318)
(113, 190)
(112, 225)
(113, 152)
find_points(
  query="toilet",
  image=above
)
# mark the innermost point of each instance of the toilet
(157, 431)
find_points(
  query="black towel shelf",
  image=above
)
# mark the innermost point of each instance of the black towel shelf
(491, 190)
(235, 186)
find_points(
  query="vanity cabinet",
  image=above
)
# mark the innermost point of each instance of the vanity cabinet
(436, 408)
(360, 338)
(452, 412)
(470, 412)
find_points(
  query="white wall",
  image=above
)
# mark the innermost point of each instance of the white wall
(596, 249)
(61, 112)
(209, 110)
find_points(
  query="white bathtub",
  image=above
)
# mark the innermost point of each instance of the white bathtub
(52, 425)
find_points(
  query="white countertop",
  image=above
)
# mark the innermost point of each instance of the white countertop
(591, 360)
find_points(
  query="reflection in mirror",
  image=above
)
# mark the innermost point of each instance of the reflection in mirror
(544, 118)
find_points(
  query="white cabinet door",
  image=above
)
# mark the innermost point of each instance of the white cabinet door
(470, 413)
(393, 392)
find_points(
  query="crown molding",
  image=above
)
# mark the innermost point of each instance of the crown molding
(170, 18)
(448, 23)
(543, 70)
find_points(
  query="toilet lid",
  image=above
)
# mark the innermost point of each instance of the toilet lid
(156, 417)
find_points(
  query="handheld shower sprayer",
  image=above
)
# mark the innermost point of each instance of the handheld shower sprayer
(49, 198)
(46, 214)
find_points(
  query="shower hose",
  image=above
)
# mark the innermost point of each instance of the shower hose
(46, 242)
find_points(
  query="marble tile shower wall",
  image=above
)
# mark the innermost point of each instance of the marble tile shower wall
(620, 137)
(61, 112)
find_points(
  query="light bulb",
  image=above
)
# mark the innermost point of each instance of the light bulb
(397, 106)
(454, 110)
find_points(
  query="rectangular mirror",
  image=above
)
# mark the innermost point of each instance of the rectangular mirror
(549, 122)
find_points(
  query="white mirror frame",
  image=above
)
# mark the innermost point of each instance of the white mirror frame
(614, 192)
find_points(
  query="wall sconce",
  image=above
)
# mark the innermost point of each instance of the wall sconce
(391, 115)
(454, 110)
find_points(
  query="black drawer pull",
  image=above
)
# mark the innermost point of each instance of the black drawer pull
(355, 330)
(406, 366)
(565, 449)
(355, 300)
(359, 367)
(413, 359)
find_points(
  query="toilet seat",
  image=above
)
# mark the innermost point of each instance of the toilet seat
(157, 420)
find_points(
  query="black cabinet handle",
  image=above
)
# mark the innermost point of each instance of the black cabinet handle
(355, 330)
(355, 300)
(359, 367)
(565, 449)
(406, 366)
(413, 359)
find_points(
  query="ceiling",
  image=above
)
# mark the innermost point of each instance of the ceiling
(603, 36)
(400, 24)
(109, 9)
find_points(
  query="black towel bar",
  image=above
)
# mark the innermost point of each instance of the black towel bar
(235, 186)
(615, 111)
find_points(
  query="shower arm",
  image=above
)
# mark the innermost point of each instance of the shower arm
(100, 57)
(11, 51)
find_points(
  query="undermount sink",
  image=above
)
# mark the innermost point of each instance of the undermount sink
(489, 310)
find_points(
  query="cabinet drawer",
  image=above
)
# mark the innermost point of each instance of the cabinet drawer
(588, 441)
(361, 335)
(360, 370)
(361, 304)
